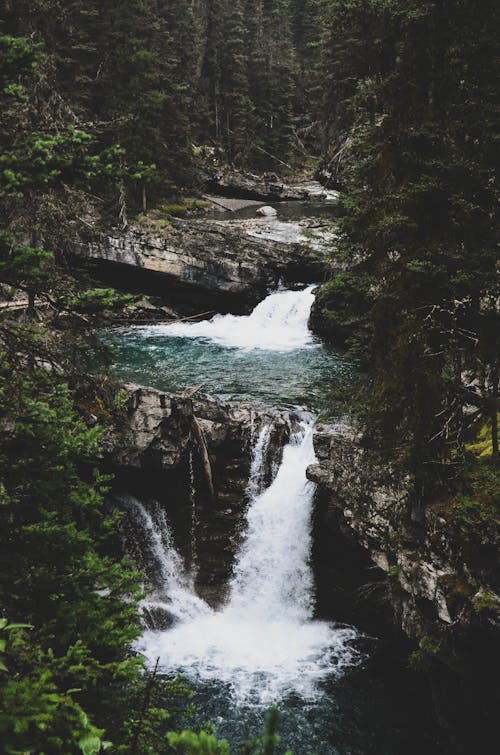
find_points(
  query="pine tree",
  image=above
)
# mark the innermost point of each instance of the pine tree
(420, 216)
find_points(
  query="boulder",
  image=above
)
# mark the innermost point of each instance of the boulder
(267, 212)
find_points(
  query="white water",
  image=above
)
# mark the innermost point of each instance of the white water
(257, 475)
(175, 594)
(273, 578)
(264, 643)
(315, 189)
(279, 323)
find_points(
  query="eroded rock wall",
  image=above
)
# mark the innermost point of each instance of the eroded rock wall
(219, 262)
(193, 456)
(433, 590)
(445, 606)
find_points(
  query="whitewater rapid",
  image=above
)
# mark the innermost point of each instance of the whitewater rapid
(278, 323)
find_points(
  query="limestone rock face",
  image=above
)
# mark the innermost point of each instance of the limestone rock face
(430, 584)
(218, 258)
(266, 187)
(158, 426)
(157, 430)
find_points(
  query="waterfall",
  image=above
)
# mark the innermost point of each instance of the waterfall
(272, 576)
(173, 592)
(279, 323)
(260, 448)
(264, 644)
(194, 516)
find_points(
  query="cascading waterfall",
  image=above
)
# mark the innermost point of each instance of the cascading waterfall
(279, 323)
(260, 448)
(194, 516)
(173, 592)
(264, 644)
(272, 577)
(268, 355)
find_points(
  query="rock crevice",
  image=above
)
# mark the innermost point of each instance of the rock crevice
(192, 456)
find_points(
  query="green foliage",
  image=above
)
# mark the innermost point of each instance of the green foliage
(482, 445)
(34, 710)
(178, 209)
(423, 658)
(412, 119)
(5, 628)
(475, 513)
(203, 743)
(485, 601)
(98, 299)
(267, 743)
(73, 675)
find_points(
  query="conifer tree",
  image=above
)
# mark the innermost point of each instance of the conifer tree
(421, 216)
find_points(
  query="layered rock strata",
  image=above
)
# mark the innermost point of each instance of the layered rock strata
(211, 261)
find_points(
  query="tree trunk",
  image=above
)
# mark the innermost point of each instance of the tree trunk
(204, 458)
(494, 411)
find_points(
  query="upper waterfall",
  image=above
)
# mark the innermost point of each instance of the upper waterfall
(278, 323)
(269, 355)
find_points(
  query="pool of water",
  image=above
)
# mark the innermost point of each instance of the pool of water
(269, 355)
(302, 376)
(368, 710)
(287, 211)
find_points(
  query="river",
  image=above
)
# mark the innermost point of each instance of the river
(264, 646)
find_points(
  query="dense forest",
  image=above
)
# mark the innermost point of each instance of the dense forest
(109, 109)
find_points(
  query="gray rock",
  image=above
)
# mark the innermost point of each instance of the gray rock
(216, 257)
(237, 184)
(430, 582)
(267, 212)
(195, 452)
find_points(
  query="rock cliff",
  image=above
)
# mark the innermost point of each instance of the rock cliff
(193, 456)
(217, 262)
(445, 604)
(434, 591)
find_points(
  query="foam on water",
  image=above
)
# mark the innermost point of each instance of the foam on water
(279, 323)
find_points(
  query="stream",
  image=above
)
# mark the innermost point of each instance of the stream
(264, 646)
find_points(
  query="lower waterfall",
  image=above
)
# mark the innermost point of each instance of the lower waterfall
(264, 643)
(173, 593)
